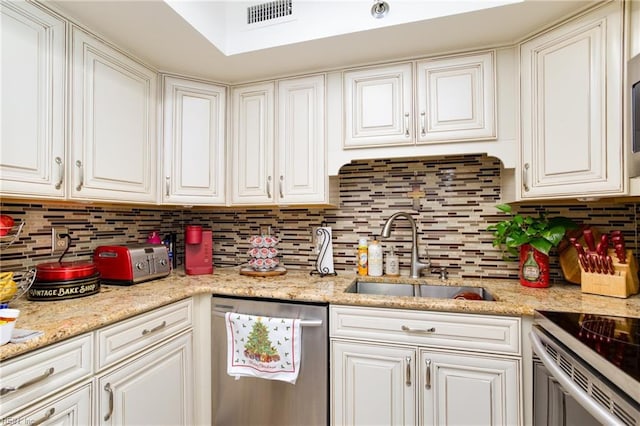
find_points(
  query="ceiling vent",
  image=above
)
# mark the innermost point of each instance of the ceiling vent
(267, 11)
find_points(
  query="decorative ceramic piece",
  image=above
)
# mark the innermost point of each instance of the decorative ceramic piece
(263, 241)
(263, 254)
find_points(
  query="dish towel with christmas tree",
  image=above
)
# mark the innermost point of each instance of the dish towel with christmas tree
(260, 346)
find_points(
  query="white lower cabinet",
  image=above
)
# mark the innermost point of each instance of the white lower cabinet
(468, 389)
(417, 368)
(44, 373)
(373, 384)
(135, 372)
(154, 389)
(145, 368)
(71, 408)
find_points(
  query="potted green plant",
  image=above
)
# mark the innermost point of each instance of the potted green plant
(530, 239)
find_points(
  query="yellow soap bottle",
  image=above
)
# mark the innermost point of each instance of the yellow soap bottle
(362, 257)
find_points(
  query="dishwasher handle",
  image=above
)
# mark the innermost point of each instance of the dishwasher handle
(303, 323)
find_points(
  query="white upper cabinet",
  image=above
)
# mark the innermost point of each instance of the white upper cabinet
(454, 101)
(32, 163)
(378, 106)
(301, 142)
(571, 108)
(113, 137)
(252, 146)
(287, 166)
(194, 141)
(456, 98)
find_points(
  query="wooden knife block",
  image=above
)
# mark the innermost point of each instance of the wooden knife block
(623, 283)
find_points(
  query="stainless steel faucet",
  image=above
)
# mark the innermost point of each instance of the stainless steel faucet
(416, 265)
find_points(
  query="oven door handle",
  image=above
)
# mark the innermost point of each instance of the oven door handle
(596, 410)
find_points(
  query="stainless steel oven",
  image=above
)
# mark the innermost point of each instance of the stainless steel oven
(586, 369)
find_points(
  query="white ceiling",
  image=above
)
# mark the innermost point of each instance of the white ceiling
(224, 22)
(154, 32)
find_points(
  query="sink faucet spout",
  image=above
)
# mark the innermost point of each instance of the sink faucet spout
(416, 265)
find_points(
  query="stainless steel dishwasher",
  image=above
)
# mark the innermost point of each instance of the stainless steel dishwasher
(253, 401)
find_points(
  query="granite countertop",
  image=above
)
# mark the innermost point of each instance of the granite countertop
(64, 319)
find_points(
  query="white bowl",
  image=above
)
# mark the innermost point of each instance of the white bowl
(8, 322)
(5, 332)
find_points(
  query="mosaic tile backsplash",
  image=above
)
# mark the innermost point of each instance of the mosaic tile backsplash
(453, 202)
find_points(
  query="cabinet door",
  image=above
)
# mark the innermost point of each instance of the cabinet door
(154, 389)
(113, 140)
(194, 131)
(71, 408)
(571, 100)
(253, 145)
(457, 389)
(378, 106)
(33, 105)
(372, 384)
(456, 98)
(301, 143)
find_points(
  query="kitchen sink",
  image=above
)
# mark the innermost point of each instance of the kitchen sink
(420, 290)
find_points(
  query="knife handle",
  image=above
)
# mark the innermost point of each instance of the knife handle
(588, 238)
(603, 245)
(597, 261)
(583, 262)
(612, 270)
(577, 245)
(620, 253)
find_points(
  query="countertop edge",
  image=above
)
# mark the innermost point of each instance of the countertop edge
(62, 320)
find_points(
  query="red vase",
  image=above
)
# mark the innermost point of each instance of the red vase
(533, 268)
